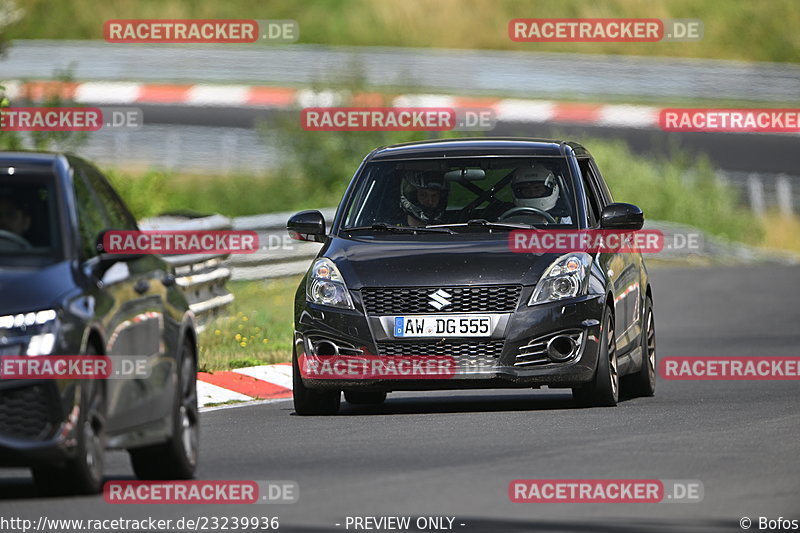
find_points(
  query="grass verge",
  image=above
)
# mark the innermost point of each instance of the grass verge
(735, 29)
(258, 329)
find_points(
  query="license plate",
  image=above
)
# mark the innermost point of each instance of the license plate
(443, 326)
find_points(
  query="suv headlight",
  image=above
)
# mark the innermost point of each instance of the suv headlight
(567, 277)
(325, 285)
(39, 326)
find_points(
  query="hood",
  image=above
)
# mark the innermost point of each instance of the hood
(24, 289)
(433, 259)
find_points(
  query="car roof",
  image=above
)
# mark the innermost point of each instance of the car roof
(478, 146)
(30, 158)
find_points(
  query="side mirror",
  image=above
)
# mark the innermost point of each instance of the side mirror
(106, 259)
(621, 216)
(307, 226)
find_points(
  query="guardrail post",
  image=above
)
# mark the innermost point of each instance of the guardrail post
(783, 190)
(173, 148)
(122, 148)
(755, 189)
(227, 158)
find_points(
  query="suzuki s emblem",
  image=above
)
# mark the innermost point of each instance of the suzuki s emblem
(439, 299)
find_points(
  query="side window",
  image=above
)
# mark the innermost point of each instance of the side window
(601, 183)
(90, 218)
(592, 200)
(118, 215)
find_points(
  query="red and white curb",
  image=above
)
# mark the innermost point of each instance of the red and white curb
(506, 109)
(267, 382)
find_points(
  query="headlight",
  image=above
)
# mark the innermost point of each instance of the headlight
(325, 286)
(39, 326)
(567, 277)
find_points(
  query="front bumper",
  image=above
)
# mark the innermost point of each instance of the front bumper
(490, 362)
(38, 421)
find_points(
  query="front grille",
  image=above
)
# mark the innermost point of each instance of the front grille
(466, 354)
(417, 300)
(26, 413)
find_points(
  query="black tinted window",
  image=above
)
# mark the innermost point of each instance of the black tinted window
(118, 215)
(90, 218)
(28, 213)
(592, 201)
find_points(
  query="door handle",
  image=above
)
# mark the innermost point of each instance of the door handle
(142, 286)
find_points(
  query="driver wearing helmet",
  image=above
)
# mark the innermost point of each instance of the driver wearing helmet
(537, 187)
(423, 197)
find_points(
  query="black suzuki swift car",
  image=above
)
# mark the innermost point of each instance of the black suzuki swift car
(417, 263)
(60, 295)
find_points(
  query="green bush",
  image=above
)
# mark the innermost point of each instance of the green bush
(681, 189)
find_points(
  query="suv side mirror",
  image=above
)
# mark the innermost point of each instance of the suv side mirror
(307, 226)
(621, 216)
(106, 259)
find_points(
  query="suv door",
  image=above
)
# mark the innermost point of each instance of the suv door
(130, 306)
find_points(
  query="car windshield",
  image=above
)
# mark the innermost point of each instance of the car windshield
(28, 215)
(461, 193)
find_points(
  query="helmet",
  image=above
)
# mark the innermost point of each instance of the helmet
(542, 197)
(413, 182)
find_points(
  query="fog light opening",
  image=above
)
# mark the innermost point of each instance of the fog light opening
(561, 348)
(326, 348)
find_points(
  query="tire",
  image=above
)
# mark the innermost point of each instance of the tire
(365, 397)
(308, 402)
(177, 457)
(82, 474)
(643, 383)
(603, 390)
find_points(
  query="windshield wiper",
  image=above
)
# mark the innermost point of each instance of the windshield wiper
(402, 229)
(482, 222)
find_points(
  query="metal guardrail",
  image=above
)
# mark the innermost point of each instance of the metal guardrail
(278, 255)
(201, 277)
(527, 74)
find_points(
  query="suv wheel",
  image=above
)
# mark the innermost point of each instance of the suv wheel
(365, 397)
(177, 457)
(312, 402)
(603, 390)
(82, 474)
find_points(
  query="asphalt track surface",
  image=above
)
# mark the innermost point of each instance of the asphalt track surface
(454, 454)
(768, 153)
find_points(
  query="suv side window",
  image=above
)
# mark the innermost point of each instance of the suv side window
(118, 215)
(90, 217)
(593, 204)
